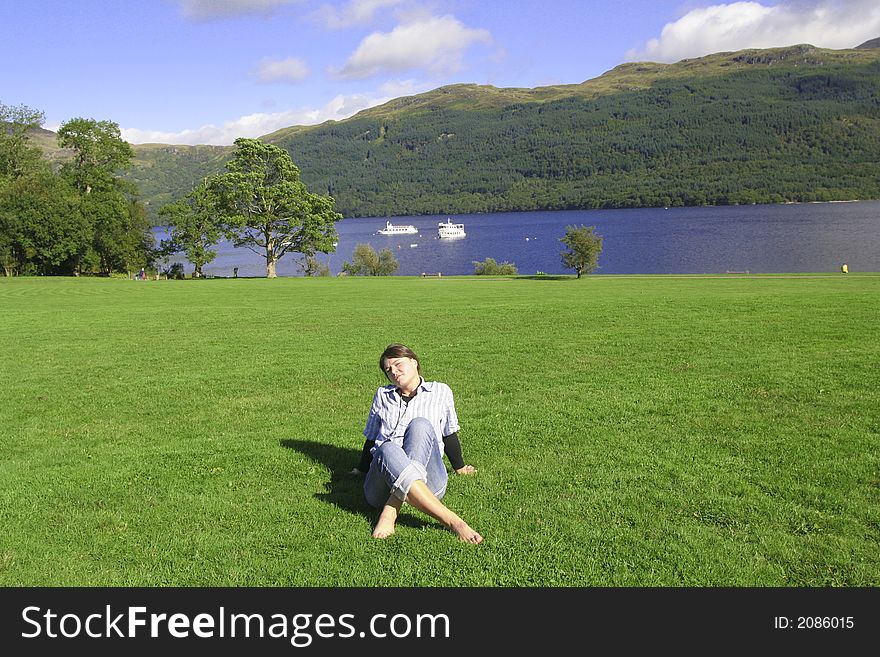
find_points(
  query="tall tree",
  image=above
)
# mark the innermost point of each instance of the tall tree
(99, 153)
(17, 156)
(19, 161)
(42, 230)
(584, 247)
(195, 226)
(268, 208)
(122, 239)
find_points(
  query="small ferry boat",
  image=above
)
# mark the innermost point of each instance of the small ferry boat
(448, 229)
(391, 229)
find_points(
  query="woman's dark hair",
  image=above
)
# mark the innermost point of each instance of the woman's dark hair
(398, 351)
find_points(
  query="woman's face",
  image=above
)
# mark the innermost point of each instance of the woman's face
(403, 372)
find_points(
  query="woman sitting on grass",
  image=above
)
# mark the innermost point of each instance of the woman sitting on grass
(403, 432)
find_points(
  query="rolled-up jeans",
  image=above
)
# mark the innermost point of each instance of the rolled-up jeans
(397, 464)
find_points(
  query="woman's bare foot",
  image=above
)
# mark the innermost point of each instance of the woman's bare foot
(466, 469)
(387, 519)
(383, 530)
(465, 533)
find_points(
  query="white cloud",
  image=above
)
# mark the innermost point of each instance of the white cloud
(435, 44)
(259, 124)
(223, 8)
(282, 70)
(353, 13)
(738, 25)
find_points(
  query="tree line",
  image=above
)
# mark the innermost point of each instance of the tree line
(82, 217)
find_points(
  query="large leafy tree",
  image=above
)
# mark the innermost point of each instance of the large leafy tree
(86, 218)
(17, 156)
(268, 209)
(99, 153)
(584, 247)
(195, 227)
(17, 159)
(42, 230)
(121, 231)
(122, 239)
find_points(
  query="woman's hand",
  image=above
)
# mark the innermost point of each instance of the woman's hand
(466, 469)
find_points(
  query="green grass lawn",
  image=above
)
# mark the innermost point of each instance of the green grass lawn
(628, 431)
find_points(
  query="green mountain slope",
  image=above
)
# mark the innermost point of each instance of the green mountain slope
(783, 124)
(792, 124)
(164, 173)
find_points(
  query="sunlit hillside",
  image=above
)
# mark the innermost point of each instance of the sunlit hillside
(756, 126)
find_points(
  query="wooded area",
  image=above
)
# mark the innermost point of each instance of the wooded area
(762, 133)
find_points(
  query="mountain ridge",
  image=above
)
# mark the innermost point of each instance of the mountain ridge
(623, 77)
(755, 125)
(798, 123)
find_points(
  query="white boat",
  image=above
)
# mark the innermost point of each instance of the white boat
(448, 229)
(391, 229)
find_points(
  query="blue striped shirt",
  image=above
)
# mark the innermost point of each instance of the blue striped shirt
(390, 414)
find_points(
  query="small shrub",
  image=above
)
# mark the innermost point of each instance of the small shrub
(489, 267)
(175, 271)
(366, 262)
(311, 266)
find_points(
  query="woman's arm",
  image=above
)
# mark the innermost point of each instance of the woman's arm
(452, 447)
(366, 458)
(371, 431)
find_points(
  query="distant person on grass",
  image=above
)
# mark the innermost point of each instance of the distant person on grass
(409, 421)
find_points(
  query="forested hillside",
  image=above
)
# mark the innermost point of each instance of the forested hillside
(164, 173)
(786, 124)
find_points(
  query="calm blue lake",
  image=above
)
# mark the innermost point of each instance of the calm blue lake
(700, 240)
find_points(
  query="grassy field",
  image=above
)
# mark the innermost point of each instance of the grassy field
(628, 431)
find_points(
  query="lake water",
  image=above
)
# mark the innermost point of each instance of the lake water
(810, 237)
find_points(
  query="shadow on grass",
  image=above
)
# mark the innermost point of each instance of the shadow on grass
(344, 490)
(546, 277)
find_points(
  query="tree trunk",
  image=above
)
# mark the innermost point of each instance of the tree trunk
(271, 258)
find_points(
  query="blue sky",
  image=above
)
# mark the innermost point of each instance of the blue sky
(208, 71)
